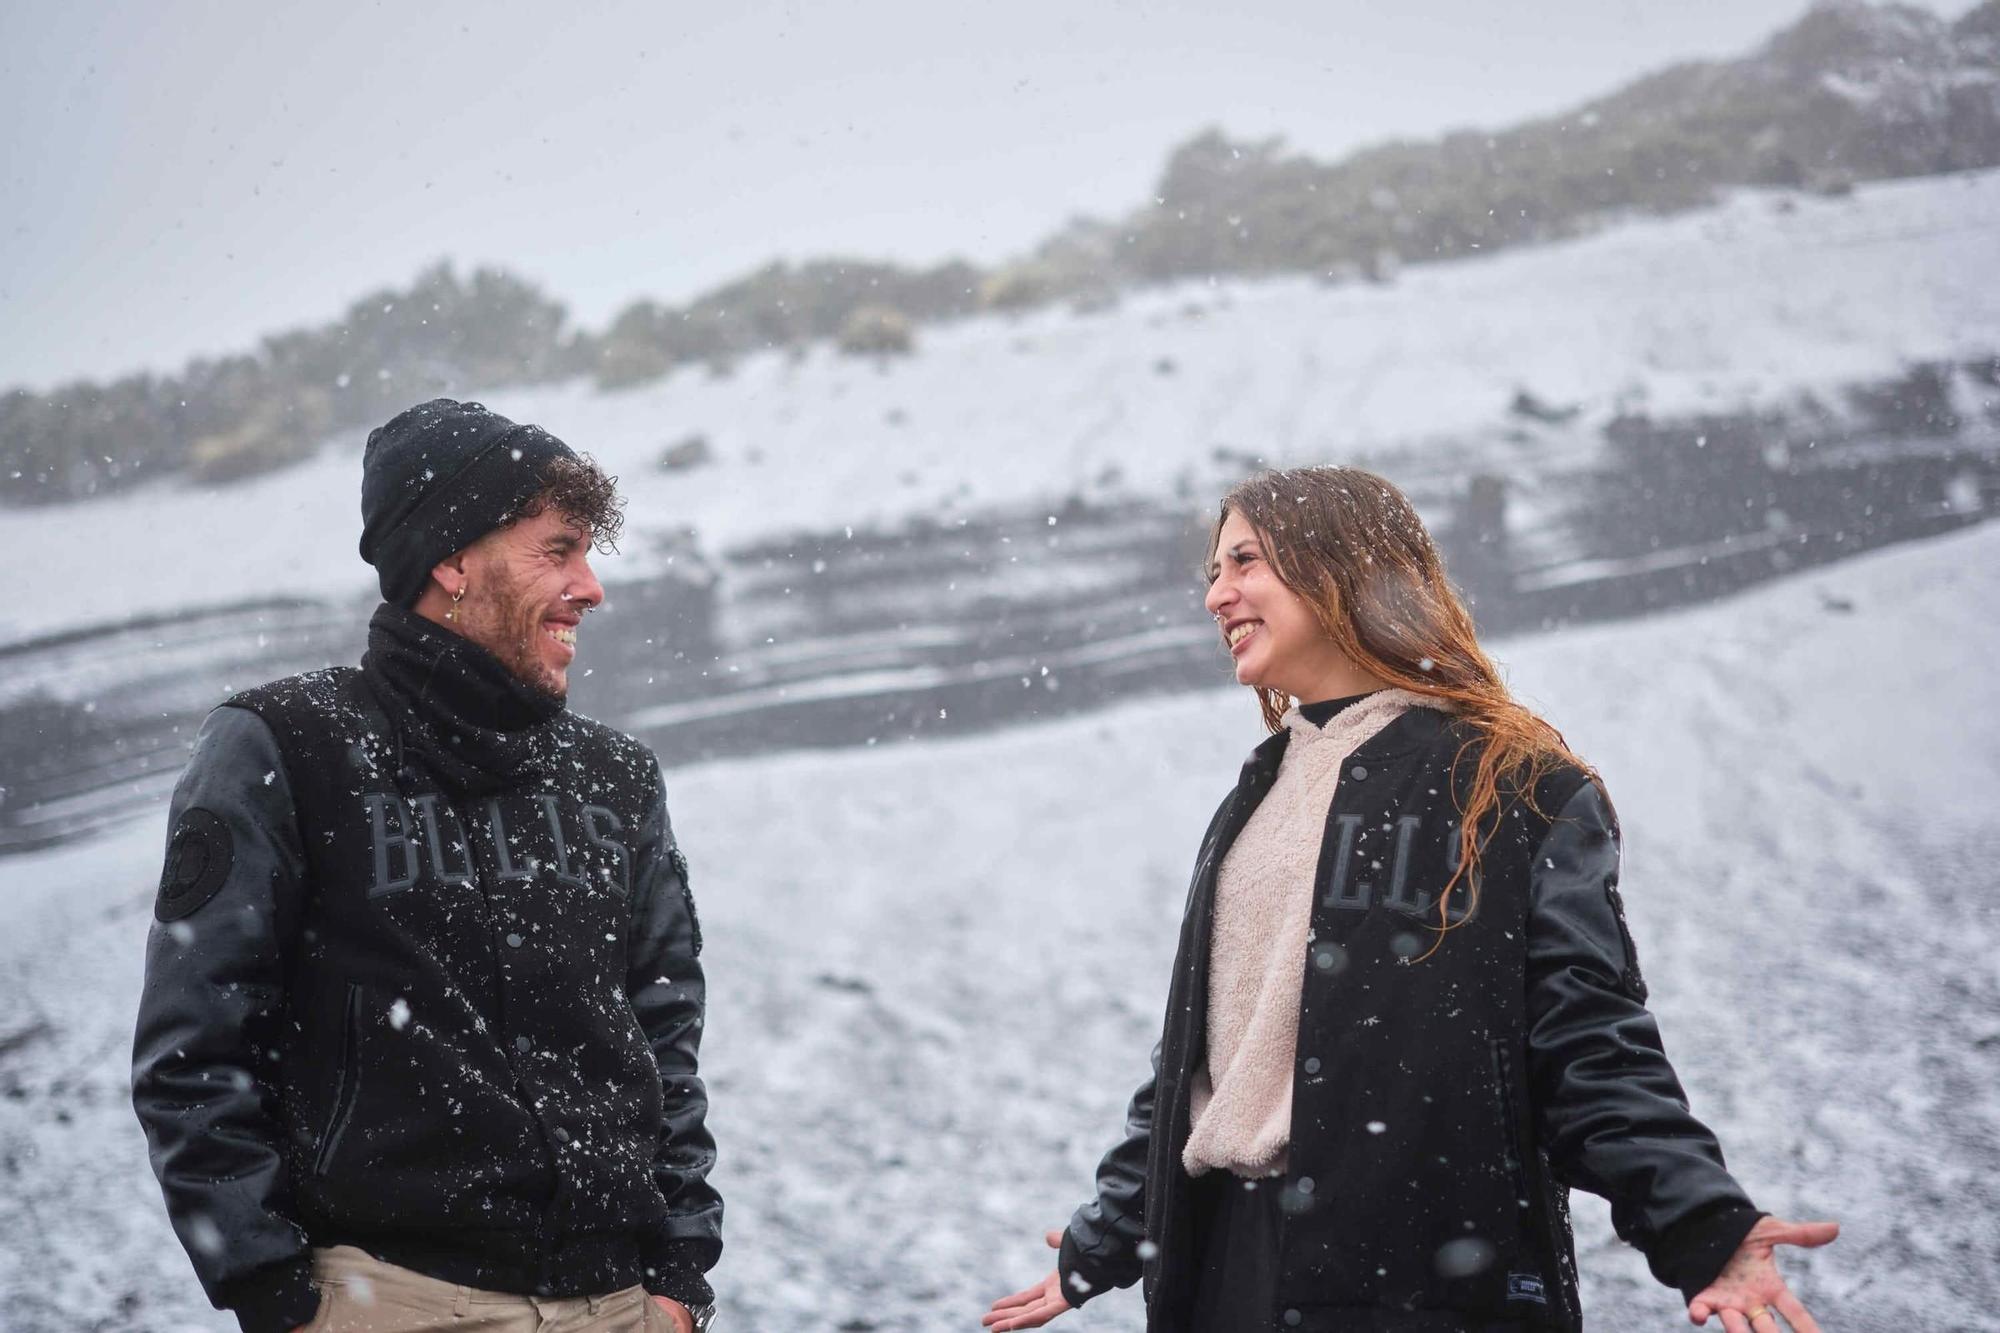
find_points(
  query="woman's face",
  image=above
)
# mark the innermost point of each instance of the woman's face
(1269, 629)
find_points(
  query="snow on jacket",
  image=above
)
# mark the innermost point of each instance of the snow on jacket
(424, 979)
(1441, 1108)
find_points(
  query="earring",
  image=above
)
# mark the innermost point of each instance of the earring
(451, 613)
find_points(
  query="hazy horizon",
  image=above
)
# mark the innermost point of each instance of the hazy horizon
(203, 176)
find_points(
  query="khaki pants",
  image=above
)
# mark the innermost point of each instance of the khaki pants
(361, 1294)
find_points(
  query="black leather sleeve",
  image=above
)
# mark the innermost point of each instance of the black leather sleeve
(1609, 1109)
(668, 994)
(212, 999)
(1100, 1250)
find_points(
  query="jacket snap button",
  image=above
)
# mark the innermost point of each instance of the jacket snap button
(1305, 1184)
(513, 941)
(522, 1044)
(1358, 773)
(562, 1135)
(1312, 1064)
(1293, 1318)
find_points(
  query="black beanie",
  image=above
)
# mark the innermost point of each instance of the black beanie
(438, 478)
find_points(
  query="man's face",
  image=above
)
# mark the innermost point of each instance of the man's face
(527, 587)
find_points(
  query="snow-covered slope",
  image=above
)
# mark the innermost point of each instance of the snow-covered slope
(1749, 302)
(936, 971)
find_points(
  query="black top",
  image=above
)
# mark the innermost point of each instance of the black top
(1325, 710)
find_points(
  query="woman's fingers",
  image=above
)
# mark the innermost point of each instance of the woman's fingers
(1795, 1313)
(1759, 1318)
(1030, 1307)
(1032, 1317)
(1024, 1296)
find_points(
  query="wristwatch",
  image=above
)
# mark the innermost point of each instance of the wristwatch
(704, 1316)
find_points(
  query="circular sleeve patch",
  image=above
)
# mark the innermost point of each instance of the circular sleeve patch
(198, 859)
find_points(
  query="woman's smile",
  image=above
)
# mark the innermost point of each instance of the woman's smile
(1238, 633)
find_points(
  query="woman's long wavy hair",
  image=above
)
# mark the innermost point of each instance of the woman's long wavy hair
(1352, 547)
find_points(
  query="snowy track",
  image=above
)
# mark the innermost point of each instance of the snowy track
(913, 1068)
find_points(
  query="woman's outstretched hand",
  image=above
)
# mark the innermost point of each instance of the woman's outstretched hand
(1748, 1293)
(1030, 1307)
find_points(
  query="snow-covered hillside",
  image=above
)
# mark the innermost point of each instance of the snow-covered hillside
(1747, 303)
(936, 971)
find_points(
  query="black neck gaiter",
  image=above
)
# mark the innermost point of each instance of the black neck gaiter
(477, 724)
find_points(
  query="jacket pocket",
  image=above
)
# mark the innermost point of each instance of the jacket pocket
(346, 1084)
(1507, 1122)
(1534, 1210)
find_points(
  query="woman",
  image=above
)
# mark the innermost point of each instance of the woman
(1405, 1016)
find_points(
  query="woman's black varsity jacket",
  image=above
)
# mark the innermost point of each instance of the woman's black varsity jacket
(1442, 1108)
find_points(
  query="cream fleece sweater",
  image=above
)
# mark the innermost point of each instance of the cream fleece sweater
(1241, 1100)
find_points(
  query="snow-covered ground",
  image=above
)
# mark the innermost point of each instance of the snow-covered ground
(936, 971)
(1750, 302)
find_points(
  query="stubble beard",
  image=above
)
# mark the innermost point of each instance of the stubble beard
(508, 624)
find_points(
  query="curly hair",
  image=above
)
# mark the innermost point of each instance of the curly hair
(579, 490)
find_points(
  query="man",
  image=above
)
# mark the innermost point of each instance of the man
(417, 1044)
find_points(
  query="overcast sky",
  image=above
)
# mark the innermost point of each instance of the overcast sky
(179, 179)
